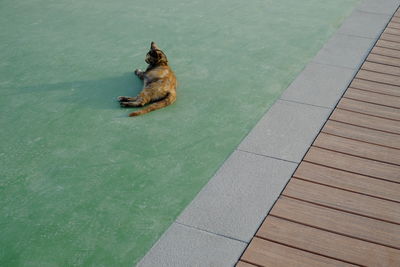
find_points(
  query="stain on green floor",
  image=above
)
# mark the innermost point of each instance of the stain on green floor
(83, 184)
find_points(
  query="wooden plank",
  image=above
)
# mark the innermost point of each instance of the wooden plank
(386, 52)
(395, 19)
(394, 25)
(352, 225)
(378, 77)
(353, 164)
(390, 37)
(369, 109)
(383, 60)
(381, 68)
(244, 264)
(344, 200)
(349, 181)
(362, 134)
(388, 44)
(376, 87)
(358, 148)
(328, 244)
(375, 98)
(367, 121)
(392, 31)
(266, 253)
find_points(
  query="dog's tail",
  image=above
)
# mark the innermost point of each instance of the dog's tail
(168, 100)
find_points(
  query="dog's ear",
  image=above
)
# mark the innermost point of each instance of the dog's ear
(153, 46)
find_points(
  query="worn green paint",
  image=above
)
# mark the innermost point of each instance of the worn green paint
(83, 184)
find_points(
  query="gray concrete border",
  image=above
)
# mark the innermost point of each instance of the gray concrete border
(219, 223)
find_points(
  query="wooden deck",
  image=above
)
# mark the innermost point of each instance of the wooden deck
(342, 205)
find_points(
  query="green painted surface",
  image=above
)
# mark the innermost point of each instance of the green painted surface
(83, 184)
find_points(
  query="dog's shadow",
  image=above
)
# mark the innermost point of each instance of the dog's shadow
(96, 94)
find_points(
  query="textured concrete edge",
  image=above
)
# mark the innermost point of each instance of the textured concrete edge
(193, 243)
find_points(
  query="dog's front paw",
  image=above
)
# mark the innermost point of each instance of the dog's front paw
(122, 98)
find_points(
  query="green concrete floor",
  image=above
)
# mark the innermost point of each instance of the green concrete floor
(83, 184)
